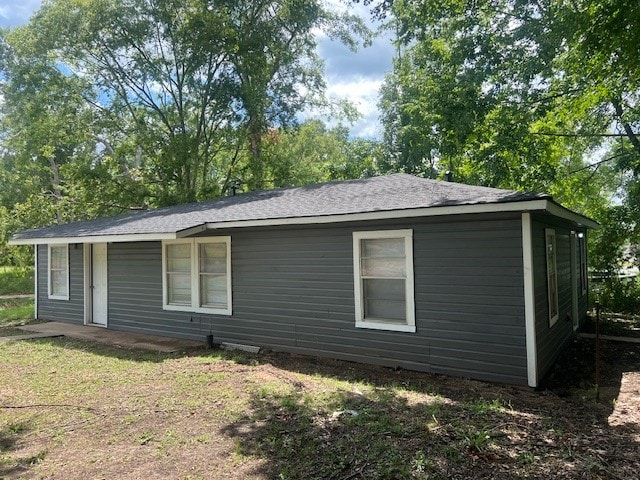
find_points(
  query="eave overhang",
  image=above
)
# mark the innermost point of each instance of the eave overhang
(541, 205)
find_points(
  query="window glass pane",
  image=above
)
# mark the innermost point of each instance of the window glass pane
(179, 250)
(58, 271)
(179, 289)
(213, 291)
(383, 289)
(384, 299)
(551, 257)
(58, 257)
(213, 258)
(182, 265)
(553, 296)
(383, 267)
(382, 247)
(384, 310)
(59, 283)
(552, 278)
(208, 289)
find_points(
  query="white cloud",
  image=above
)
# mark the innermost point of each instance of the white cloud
(17, 12)
(358, 76)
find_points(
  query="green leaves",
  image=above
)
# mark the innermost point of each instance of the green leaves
(524, 95)
(113, 104)
(160, 98)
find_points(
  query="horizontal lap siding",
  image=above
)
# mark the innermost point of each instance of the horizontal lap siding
(293, 291)
(551, 339)
(72, 310)
(135, 293)
(469, 298)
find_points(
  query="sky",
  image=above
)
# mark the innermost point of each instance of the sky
(356, 77)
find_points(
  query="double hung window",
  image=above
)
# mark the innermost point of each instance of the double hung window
(383, 276)
(59, 272)
(197, 275)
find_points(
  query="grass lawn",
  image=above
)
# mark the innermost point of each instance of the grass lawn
(15, 312)
(77, 410)
(16, 280)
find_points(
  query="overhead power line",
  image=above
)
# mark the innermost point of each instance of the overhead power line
(551, 134)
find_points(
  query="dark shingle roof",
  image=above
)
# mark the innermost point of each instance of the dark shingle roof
(397, 192)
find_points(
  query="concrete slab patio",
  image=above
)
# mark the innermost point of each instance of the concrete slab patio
(29, 336)
(113, 337)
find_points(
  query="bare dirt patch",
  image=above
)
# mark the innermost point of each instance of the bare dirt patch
(76, 410)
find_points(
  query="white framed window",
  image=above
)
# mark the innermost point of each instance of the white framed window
(552, 275)
(58, 272)
(383, 280)
(196, 275)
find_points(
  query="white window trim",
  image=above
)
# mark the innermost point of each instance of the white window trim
(51, 295)
(195, 276)
(551, 232)
(410, 326)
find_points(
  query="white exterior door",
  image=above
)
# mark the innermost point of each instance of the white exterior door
(99, 284)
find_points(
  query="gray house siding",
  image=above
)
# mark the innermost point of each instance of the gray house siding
(293, 291)
(71, 310)
(551, 339)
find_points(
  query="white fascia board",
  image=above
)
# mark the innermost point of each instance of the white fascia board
(388, 214)
(140, 237)
(187, 232)
(560, 211)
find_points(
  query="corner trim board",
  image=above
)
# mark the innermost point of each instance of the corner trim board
(86, 265)
(35, 283)
(529, 301)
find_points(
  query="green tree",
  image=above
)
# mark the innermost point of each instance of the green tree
(534, 95)
(313, 153)
(51, 131)
(180, 88)
(112, 104)
(506, 92)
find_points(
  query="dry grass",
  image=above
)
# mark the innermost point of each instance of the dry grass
(75, 410)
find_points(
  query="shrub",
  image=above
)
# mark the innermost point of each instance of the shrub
(620, 295)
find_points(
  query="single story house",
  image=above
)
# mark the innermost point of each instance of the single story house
(393, 270)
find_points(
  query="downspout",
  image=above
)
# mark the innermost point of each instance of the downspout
(529, 301)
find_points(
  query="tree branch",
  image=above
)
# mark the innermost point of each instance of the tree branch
(629, 133)
(597, 164)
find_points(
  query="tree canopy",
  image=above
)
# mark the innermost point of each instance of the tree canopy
(156, 102)
(532, 95)
(113, 104)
